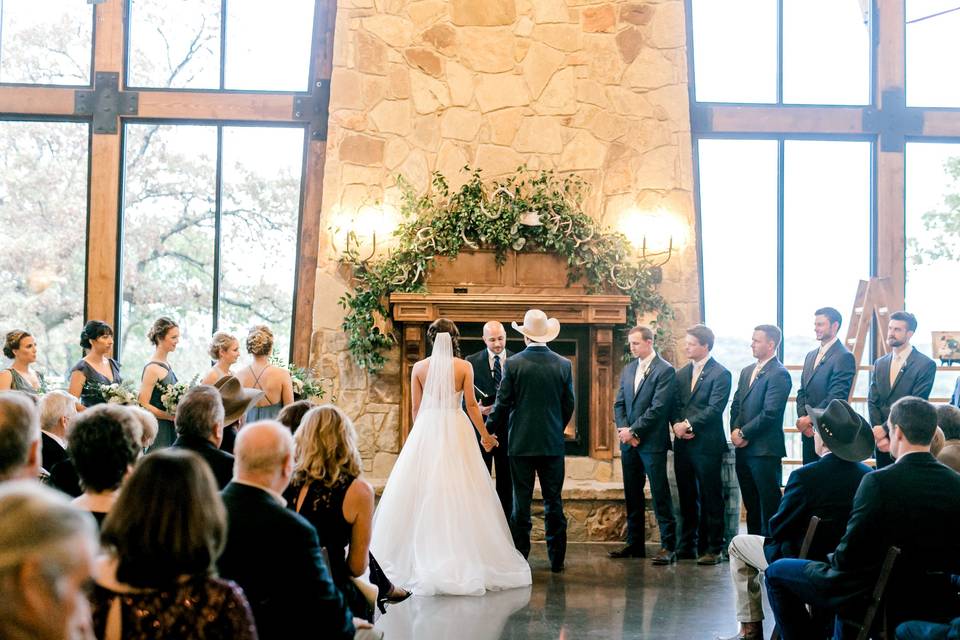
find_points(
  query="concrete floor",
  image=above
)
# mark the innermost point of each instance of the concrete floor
(595, 597)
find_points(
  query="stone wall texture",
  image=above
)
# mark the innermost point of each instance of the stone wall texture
(586, 86)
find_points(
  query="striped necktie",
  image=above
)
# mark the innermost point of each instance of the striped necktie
(497, 371)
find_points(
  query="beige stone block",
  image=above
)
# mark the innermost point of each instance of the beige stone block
(429, 94)
(610, 127)
(550, 11)
(361, 149)
(539, 134)
(636, 13)
(658, 169)
(389, 6)
(667, 29)
(630, 42)
(441, 37)
(599, 19)
(604, 471)
(394, 30)
(416, 170)
(560, 95)
(351, 376)
(384, 390)
(426, 132)
(488, 13)
(451, 161)
(497, 91)
(398, 82)
(618, 178)
(539, 66)
(371, 54)
(378, 407)
(366, 427)
(425, 60)
(652, 133)
(426, 12)
(584, 118)
(629, 103)
(374, 90)
(393, 116)
(460, 82)
(327, 313)
(590, 92)
(345, 91)
(580, 468)
(497, 161)
(395, 153)
(486, 49)
(351, 402)
(565, 37)
(674, 101)
(336, 340)
(358, 4)
(352, 120)
(458, 123)
(504, 125)
(360, 174)
(685, 153)
(388, 436)
(583, 152)
(367, 465)
(524, 27)
(383, 464)
(521, 46)
(651, 70)
(603, 58)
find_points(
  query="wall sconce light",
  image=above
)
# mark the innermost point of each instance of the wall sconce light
(654, 236)
(354, 237)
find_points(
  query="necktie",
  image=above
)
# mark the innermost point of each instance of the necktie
(820, 354)
(641, 374)
(696, 375)
(756, 374)
(895, 367)
(497, 371)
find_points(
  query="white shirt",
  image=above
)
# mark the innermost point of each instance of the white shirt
(697, 370)
(899, 359)
(56, 439)
(823, 351)
(757, 369)
(642, 367)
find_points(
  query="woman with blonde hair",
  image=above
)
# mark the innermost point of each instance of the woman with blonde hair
(164, 335)
(224, 351)
(328, 490)
(275, 382)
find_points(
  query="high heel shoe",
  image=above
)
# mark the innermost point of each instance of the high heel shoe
(383, 601)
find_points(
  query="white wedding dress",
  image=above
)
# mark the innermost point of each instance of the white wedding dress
(439, 527)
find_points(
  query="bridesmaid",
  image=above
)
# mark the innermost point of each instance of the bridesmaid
(273, 381)
(20, 347)
(225, 349)
(96, 367)
(164, 335)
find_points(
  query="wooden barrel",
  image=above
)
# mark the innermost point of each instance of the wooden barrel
(731, 496)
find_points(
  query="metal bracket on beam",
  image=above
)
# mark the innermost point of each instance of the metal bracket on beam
(106, 103)
(314, 108)
(893, 121)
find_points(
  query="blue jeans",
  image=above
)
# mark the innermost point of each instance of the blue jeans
(915, 630)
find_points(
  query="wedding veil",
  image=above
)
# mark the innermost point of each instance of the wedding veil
(438, 390)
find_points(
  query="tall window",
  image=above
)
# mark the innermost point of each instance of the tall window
(932, 50)
(46, 43)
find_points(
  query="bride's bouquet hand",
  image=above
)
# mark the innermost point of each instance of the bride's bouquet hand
(489, 442)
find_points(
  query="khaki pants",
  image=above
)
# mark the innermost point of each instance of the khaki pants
(747, 562)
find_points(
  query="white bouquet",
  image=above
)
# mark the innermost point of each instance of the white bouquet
(173, 393)
(119, 393)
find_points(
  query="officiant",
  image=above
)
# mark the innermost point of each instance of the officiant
(488, 367)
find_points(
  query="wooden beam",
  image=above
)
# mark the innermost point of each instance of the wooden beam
(943, 124)
(216, 106)
(891, 246)
(36, 101)
(890, 56)
(777, 119)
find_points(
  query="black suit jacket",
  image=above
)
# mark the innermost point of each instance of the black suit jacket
(647, 411)
(64, 477)
(536, 400)
(914, 505)
(51, 452)
(220, 462)
(758, 409)
(915, 379)
(275, 556)
(703, 407)
(482, 376)
(825, 489)
(831, 379)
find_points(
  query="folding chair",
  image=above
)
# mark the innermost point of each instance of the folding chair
(804, 550)
(876, 600)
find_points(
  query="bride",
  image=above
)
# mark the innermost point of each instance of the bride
(439, 527)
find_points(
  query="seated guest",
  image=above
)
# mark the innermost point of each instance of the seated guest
(57, 410)
(916, 630)
(104, 444)
(225, 351)
(948, 419)
(199, 423)
(19, 437)
(327, 489)
(950, 456)
(272, 552)
(292, 415)
(824, 488)
(913, 505)
(47, 555)
(237, 401)
(148, 424)
(938, 442)
(157, 578)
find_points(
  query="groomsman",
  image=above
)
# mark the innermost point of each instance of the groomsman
(703, 389)
(644, 404)
(827, 375)
(902, 372)
(488, 367)
(756, 429)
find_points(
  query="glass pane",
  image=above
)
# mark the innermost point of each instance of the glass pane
(826, 234)
(933, 238)
(735, 50)
(837, 69)
(932, 51)
(43, 214)
(268, 49)
(738, 231)
(174, 44)
(261, 208)
(168, 242)
(49, 42)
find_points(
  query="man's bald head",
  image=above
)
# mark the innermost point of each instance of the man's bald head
(264, 452)
(495, 337)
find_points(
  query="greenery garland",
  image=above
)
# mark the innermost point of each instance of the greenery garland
(493, 216)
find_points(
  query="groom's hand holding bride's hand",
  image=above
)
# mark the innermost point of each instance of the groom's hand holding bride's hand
(489, 442)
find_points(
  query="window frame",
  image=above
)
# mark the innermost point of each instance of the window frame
(49, 85)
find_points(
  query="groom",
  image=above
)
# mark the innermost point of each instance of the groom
(536, 401)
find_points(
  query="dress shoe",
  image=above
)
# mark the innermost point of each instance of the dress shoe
(556, 568)
(748, 631)
(708, 559)
(629, 551)
(686, 555)
(665, 557)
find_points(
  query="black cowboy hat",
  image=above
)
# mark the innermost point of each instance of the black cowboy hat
(845, 432)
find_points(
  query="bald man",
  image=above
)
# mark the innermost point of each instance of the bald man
(272, 552)
(488, 366)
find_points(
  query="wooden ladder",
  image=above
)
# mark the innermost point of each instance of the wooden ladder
(872, 302)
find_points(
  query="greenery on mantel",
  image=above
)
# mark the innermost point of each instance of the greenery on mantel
(500, 216)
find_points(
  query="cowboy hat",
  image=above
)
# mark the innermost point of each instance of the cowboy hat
(538, 327)
(845, 432)
(237, 399)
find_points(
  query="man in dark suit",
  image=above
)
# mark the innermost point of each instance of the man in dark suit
(488, 366)
(911, 505)
(955, 399)
(902, 372)
(536, 400)
(199, 423)
(827, 375)
(824, 488)
(703, 389)
(57, 410)
(642, 410)
(272, 552)
(756, 429)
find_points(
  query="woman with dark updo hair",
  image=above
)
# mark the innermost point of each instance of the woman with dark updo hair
(20, 347)
(96, 367)
(164, 335)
